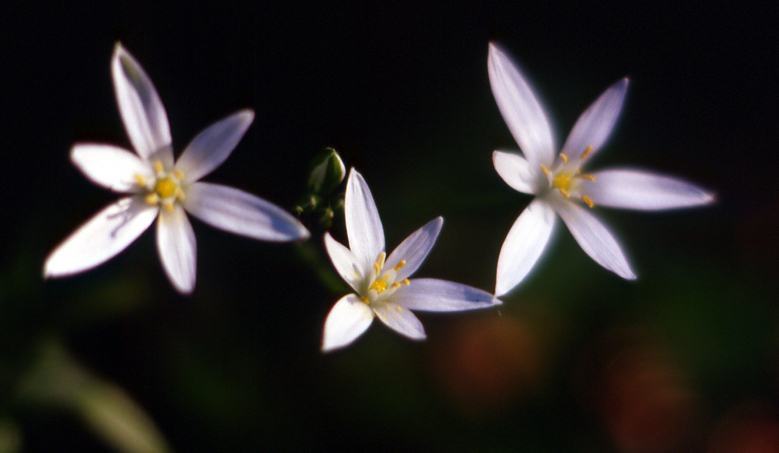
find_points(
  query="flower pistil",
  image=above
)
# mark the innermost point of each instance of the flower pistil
(164, 189)
(566, 177)
(385, 285)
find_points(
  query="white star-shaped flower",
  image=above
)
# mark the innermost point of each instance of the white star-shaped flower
(560, 185)
(161, 189)
(381, 283)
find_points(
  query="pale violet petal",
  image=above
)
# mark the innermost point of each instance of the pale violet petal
(213, 145)
(523, 245)
(638, 189)
(345, 262)
(401, 320)
(177, 247)
(102, 237)
(347, 320)
(429, 294)
(520, 109)
(516, 171)
(241, 213)
(142, 111)
(110, 166)
(363, 225)
(164, 155)
(595, 124)
(414, 249)
(594, 238)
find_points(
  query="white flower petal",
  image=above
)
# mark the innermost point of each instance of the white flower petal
(414, 249)
(523, 245)
(212, 146)
(400, 320)
(344, 262)
(637, 189)
(102, 237)
(516, 171)
(522, 112)
(594, 238)
(164, 155)
(142, 111)
(594, 125)
(363, 225)
(241, 213)
(347, 320)
(177, 247)
(429, 294)
(110, 166)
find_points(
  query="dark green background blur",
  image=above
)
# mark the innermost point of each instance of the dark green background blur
(683, 359)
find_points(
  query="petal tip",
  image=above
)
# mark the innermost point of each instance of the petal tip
(303, 233)
(248, 115)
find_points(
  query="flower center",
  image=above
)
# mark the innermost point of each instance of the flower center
(382, 284)
(164, 189)
(567, 176)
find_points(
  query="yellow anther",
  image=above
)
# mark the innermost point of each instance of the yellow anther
(379, 262)
(152, 198)
(588, 177)
(168, 207)
(180, 194)
(399, 266)
(400, 308)
(564, 158)
(178, 175)
(586, 152)
(140, 180)
(158, 167)
(400, 283)
(588, 200)
(166, 188)
(366, 300)
(565, 193)
(545, 170)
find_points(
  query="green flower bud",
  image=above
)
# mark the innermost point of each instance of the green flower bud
(327, 171)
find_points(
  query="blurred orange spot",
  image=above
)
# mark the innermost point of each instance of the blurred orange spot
(485, 364)
(644, 400)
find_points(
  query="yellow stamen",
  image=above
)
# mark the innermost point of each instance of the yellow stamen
(588, 177)
(158, 167)
(379, 285)
(366, 300)
(178, 175)
(168, 207)
(586, 152)
(379, 262)
(152, 198)
(565, 193)
(400, 308)
(400, 265)
(562, 181)
(140, 180)
(545, 170)
(403, 282)
(564, 158)
(588, 200)
(166, 188)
